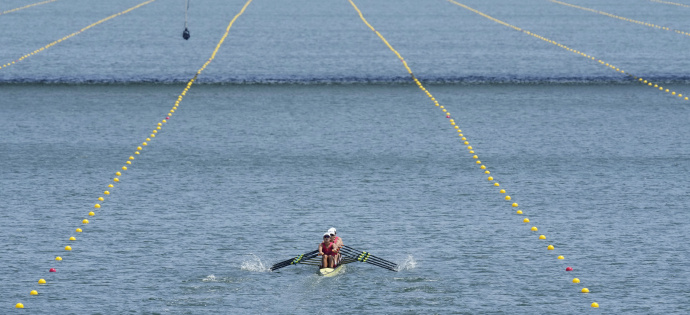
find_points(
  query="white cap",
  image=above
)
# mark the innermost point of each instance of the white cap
(331, 230)
(327, 234)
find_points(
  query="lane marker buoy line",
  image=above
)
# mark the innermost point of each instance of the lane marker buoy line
(139, 149)
(621, 18)
(589, 57)
(26, 6)
(464, 140)
(669, 2)
(74, 34)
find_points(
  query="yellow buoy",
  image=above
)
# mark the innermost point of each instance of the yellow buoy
(68, 247)
(58, 258)
(534, 229)
(519, 212)
(124, 168)
(41, 281)
(33, 292)
(100, 199)
(116, 179)
(19, 305)
(595, 304)
(496, 184)
(131, 158)
(92, 213)
(106, 192)
(515, 205)
(97, 206)
(72, 238)
(507, 197)
(139, 148)
(525, 220)
(503, 191)
(85, 221)
(490, 178)
(542, 237)
(118, 173)
(78, 230)
(584, 290)
(110, 185)
(561, 257)
(550, 247)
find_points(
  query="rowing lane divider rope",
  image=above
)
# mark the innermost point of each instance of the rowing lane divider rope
(621, 18)
(602, 62)
(465, 141)
(672, 3)
(145, 143)
(74, 34)
(26, 6)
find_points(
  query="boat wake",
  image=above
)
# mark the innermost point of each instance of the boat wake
(254, 264)
(407, 264)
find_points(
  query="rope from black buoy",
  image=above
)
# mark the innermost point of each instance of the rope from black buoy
(185, 33)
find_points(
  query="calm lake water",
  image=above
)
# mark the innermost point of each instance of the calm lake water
(305, 120)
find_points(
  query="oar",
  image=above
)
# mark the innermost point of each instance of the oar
(366, 256)
(359, 252)
(294, 260)
(365, 259)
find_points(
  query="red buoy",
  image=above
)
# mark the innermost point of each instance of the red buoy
(52, 270)
(569, 269)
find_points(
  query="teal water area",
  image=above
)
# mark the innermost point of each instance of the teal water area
(305, 120)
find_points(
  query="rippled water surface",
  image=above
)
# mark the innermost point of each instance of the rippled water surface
(305, 120)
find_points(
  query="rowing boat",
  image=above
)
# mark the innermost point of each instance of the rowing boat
(348, 255)
(330, 272)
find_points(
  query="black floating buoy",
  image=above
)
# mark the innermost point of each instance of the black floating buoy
(185, 34)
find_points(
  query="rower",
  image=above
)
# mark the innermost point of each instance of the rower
(326, 250)
(338, 241)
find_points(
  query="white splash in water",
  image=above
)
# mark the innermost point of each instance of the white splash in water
(254, 264)
(407, 264)
(209, 278)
